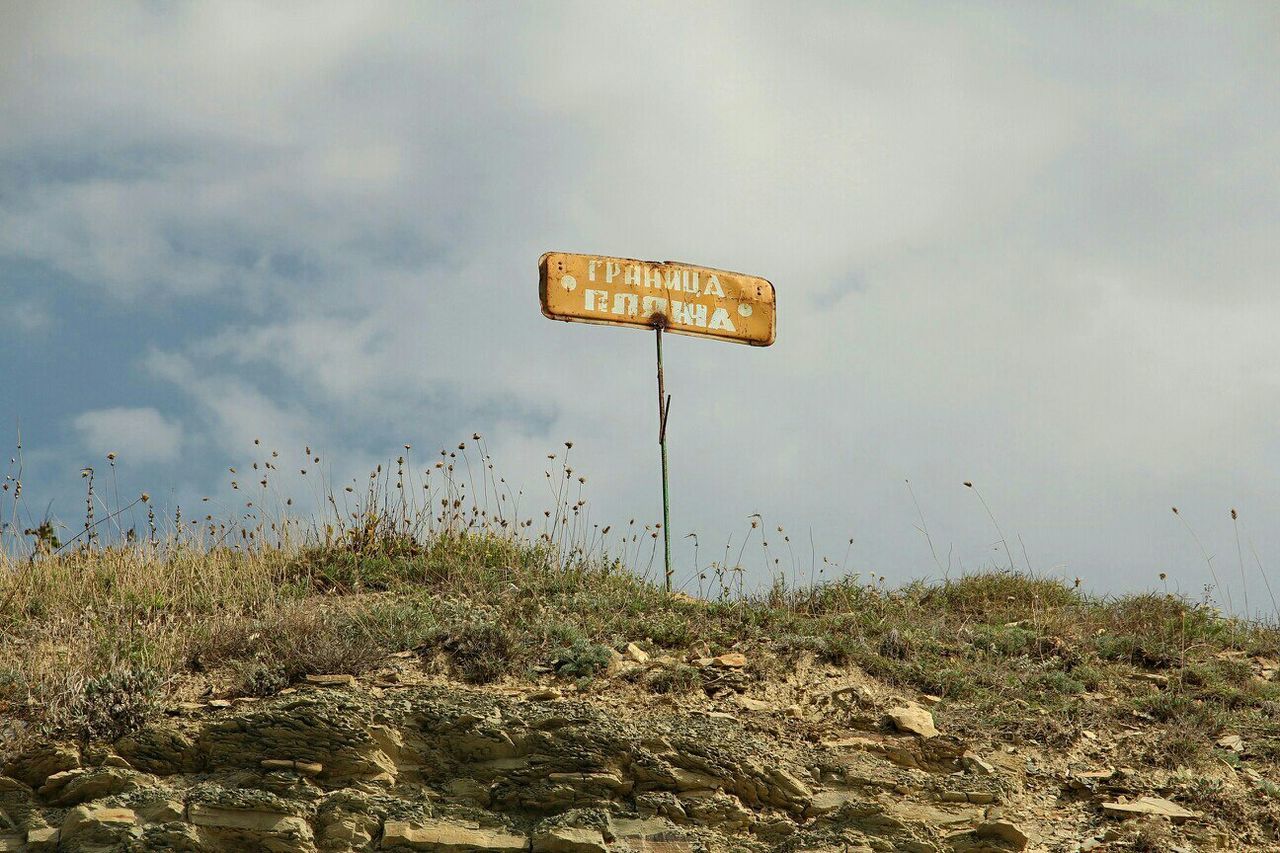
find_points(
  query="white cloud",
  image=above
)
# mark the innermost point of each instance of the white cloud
(1059, 226)
(134, 435)
(26, 316)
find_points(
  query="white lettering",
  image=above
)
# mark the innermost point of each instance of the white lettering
(611, 271)
(689, 314)
(625, 303)
(673, 280)
(595, 300)
(632, 275)
(720, 320)
(691, 282)
(653, 305)
(591, 269)
(713, 286)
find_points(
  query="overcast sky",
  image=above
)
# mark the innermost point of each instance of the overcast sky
(1030, 246)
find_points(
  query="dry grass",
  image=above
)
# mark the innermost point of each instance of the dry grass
(93, 636)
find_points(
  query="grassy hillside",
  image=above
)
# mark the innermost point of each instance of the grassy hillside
(87, 635)
(98, 641)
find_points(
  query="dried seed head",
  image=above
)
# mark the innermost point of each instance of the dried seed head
(111, 457)
(1233, 514)
(968, 485)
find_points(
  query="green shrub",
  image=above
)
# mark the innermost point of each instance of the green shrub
(480, 652)
(584, 659)
(262, 679)
(677, 679)
(114, 704)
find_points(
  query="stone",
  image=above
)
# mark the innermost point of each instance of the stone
(546, 694)
(731, 660)
(1150, 806)
(1235, 743)
(913, 719)
(441, 836)
(96, 821)
(851, 697)
(643, 829)
(161, 748)
(975, 764)
(162, 811)
(305, 768)
(717, 810)
(785, 789)
(930, 815)
(44, 838)
(827, 802)
(636, 654)
(754, 704)
(37, 765)
(348, 832)
(691, 780)
(251, 820)
(1004, 831)
(72, 787)
(563, 839)
(342, 680)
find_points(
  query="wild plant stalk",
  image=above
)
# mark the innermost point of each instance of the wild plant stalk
(1244, 585)
(994, 523)
(924, 528)
(1207, 559)
(1275, 609)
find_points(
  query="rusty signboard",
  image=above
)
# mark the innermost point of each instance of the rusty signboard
(680, 298)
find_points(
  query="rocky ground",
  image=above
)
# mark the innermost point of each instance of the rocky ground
(817, 758)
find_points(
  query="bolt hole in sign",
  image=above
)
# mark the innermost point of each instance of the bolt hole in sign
(680, 298)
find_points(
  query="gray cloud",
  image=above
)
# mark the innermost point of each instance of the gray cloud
(1025, 246)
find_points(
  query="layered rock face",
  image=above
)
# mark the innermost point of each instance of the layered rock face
(444, 768)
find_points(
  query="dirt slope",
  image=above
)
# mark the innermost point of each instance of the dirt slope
(821, 758)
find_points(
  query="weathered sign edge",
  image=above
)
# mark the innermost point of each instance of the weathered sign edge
(542, 301)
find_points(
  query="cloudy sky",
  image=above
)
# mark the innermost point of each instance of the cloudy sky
(1029, 246)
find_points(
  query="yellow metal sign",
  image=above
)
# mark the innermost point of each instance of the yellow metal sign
(680, 298)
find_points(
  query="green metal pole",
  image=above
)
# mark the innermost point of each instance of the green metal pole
(664, 402)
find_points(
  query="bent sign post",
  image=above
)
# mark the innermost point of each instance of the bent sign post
(662, 296)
